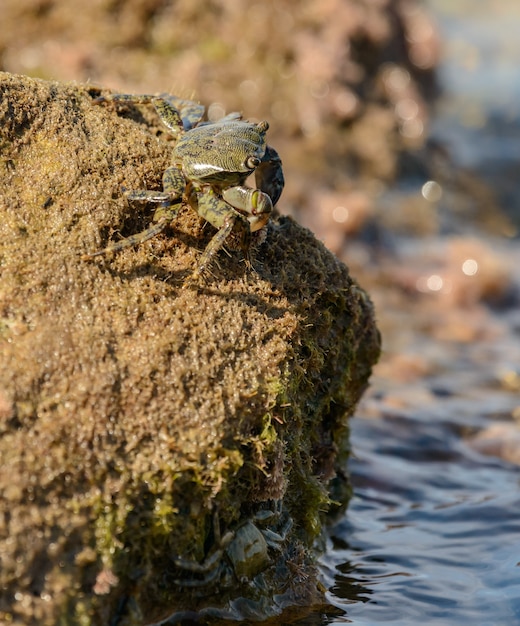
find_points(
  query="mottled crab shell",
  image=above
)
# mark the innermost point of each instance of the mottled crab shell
(222, 152)
(248, 552)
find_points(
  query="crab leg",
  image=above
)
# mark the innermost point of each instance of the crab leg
(133, 240)
(176, 113)
(209, 562)
(173, 187)
(214, 246)
(227, 219)
(169, 198)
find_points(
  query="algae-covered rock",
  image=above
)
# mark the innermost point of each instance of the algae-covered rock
(162, 448)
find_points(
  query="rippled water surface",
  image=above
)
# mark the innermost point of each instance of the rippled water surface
(432, 534)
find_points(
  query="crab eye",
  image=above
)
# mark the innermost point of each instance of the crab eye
(252, 162)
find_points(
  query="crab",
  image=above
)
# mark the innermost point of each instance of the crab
(210, 164)
(239, 554)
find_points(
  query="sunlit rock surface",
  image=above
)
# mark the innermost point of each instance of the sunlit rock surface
(144, 426)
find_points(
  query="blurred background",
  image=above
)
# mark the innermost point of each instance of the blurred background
(398, 125)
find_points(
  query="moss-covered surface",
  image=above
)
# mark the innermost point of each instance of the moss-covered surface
(134, 412)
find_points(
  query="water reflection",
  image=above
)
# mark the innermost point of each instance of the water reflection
(432, 535)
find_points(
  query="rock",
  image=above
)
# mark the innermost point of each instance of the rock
(145, 426)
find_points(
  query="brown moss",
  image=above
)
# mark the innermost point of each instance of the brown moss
(130, 408)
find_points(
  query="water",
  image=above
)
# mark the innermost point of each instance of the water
(432, 534)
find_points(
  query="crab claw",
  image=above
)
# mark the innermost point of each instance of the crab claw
(269, 175)
(254, 204)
